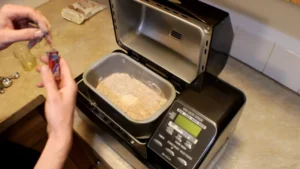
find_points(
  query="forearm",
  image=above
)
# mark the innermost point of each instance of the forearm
(55, 152)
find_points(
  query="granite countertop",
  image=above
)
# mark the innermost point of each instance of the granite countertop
(268, 133)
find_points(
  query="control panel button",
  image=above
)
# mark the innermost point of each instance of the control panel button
(158, 142)
(182, 161)
(161, 136)
(185, 155)
(172, 115)
(178, 138)
(176, 142)
(170, 152)
(167, 157)
(173, 145)
(193, 140)
(170, 130)
(188, 144)
(183, 147)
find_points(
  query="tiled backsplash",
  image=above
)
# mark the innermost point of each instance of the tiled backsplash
(266, 49)
(268, 56)
(251, 48)
(284, 66)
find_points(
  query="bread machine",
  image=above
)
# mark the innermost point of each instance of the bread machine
(187, 44)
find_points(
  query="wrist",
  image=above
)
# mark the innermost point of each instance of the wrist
(56, 151)
(61, 139)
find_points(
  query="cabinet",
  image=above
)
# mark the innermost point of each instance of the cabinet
(25, 140)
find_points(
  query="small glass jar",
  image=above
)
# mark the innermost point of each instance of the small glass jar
(24, 55)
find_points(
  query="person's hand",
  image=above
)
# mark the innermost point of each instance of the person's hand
(19, 23)
(59, 113)
(60, 100)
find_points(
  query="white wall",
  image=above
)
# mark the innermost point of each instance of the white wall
(267, 37)
(278, 14)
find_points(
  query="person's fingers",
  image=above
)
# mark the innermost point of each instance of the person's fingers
(14, 12)
(11, 36)
(33, 42)
(30, 26)
(38, 68)
(24, 23)
(49, 82)
(44, 59)
(48, 38)
(65, 70)
(66, 77)
(40, 85)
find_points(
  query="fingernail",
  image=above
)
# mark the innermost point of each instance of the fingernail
(38, 34)
(31, 44)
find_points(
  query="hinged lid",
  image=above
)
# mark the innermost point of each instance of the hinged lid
(164, 34)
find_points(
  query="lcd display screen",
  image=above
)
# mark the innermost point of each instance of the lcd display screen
(187, 125)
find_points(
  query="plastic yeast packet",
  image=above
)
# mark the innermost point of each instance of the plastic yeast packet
(82, 10)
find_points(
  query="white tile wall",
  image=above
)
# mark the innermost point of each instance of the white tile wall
(251, 48)
(234, 26)
(284, 66)
(254, 58)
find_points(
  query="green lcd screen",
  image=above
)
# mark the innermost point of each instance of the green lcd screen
(187, 125)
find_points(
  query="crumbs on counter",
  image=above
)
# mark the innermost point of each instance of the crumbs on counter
(82, 10)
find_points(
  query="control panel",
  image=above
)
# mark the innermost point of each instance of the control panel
(183, 137)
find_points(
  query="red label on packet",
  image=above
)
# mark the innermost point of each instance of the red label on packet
(53, 59)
